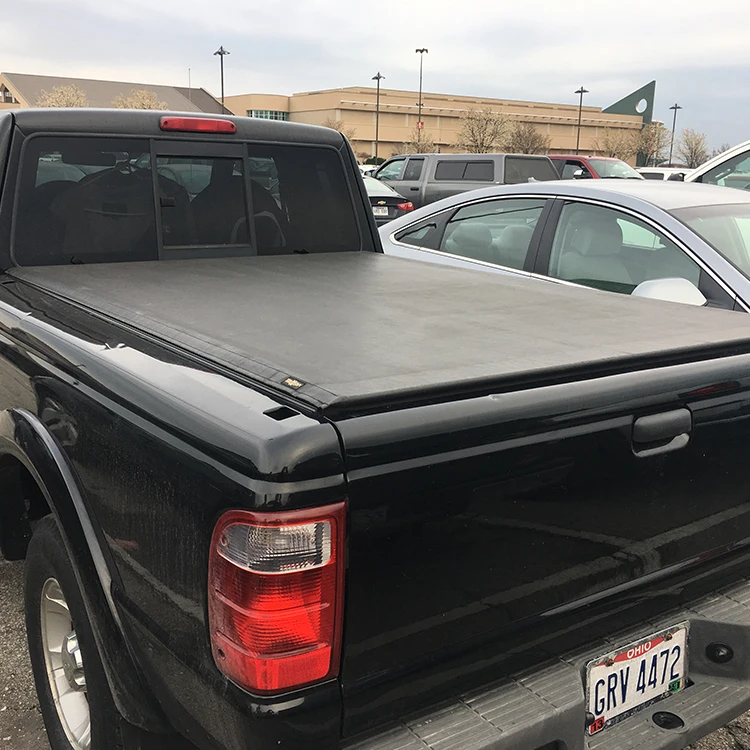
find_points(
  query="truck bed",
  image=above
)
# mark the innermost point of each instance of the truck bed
(354, 331)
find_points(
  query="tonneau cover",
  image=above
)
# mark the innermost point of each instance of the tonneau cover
(347, 331)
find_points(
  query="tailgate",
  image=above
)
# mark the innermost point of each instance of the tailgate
(502, 530)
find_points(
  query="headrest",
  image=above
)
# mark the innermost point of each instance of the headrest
(597, 234)
(472, 235)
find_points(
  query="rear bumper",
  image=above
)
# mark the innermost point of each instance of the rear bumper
(543, 708)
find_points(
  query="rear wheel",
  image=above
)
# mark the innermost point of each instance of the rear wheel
(77, 705)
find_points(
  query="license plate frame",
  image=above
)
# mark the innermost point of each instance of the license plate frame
(633, 665)
(380, 210)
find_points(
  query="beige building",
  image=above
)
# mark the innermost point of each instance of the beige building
(441, 115)
(23, 90)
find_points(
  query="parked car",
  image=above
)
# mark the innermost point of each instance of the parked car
(387, 204)
(574, 167)
(663, 173)
(276, 490)
(729, 169)
(426, 178)
(611, 235)
(367, 169)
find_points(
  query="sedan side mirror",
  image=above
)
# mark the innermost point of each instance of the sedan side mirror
(677, 177)
(671, 290)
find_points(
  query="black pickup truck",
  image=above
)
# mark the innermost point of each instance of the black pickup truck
(277, 490)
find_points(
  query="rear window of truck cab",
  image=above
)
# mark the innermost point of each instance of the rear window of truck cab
(90, 199)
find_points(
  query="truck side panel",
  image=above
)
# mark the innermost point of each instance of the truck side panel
(160, 448)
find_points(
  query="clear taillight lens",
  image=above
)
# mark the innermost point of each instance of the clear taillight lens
(276, 597)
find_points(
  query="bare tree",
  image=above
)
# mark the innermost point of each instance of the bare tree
(419, 142)
(482, 131)
(138, 99)
(692, 148)
(525, 138)
(650, 143)
(63, 96)
(339, 125)
(614, 143)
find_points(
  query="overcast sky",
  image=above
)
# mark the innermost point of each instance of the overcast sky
(698, 51)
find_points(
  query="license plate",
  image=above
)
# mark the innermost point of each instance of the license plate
(633, 677)
(380, 210)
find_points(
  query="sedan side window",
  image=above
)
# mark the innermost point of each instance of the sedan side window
(610, 250)
(497, 231)
(391, 170)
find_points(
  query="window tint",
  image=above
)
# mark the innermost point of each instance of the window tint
(85, 200)
(450, 170)
(92, 200)
(418, 236)
(413, 169)
(609, 250)
(498, 231)
(480, 171)
(391, 170)
(519, 168)
(202, 201)
(734, 172)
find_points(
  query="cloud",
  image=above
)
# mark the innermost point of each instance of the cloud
(527, 50)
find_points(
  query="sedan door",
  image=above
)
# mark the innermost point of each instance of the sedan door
(615, 250)
(501, 233)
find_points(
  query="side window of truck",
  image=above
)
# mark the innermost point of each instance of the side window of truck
(497, 231)
(413, 170)
(391, 170)
(93, 200)
(520, 168)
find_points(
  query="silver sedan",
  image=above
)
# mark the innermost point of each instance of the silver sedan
(685, 242)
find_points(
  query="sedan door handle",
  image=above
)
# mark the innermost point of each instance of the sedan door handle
(414, 189)
(662, 433)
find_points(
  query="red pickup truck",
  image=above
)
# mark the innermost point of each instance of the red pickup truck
(573, 166)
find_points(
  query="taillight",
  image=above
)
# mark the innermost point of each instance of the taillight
(275, 604)
(197, 125)
(407, 206)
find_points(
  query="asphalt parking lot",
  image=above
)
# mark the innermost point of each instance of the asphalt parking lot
(21, 726)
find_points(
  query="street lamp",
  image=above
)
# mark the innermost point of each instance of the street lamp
(377, 78)
(420, 52)
(674, 107)
(580, 91)
(221, 52)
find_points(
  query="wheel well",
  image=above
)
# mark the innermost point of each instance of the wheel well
(22, 504)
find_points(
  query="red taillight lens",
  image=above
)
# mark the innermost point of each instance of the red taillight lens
(275, 605)
(408, 206)
(197, 125)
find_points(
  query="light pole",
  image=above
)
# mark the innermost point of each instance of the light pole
(580, 91)
(420, 52)
(221, 52)
(377, 78)
(674, 107)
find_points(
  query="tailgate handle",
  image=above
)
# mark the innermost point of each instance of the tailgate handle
(662, 433)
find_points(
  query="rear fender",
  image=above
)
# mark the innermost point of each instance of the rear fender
(24, 437)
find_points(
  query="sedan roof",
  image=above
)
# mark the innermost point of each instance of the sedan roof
(666, 195)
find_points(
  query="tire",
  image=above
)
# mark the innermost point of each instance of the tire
(49, 576)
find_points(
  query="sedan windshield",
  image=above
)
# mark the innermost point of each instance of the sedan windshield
(607, 168)
(726, 228)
